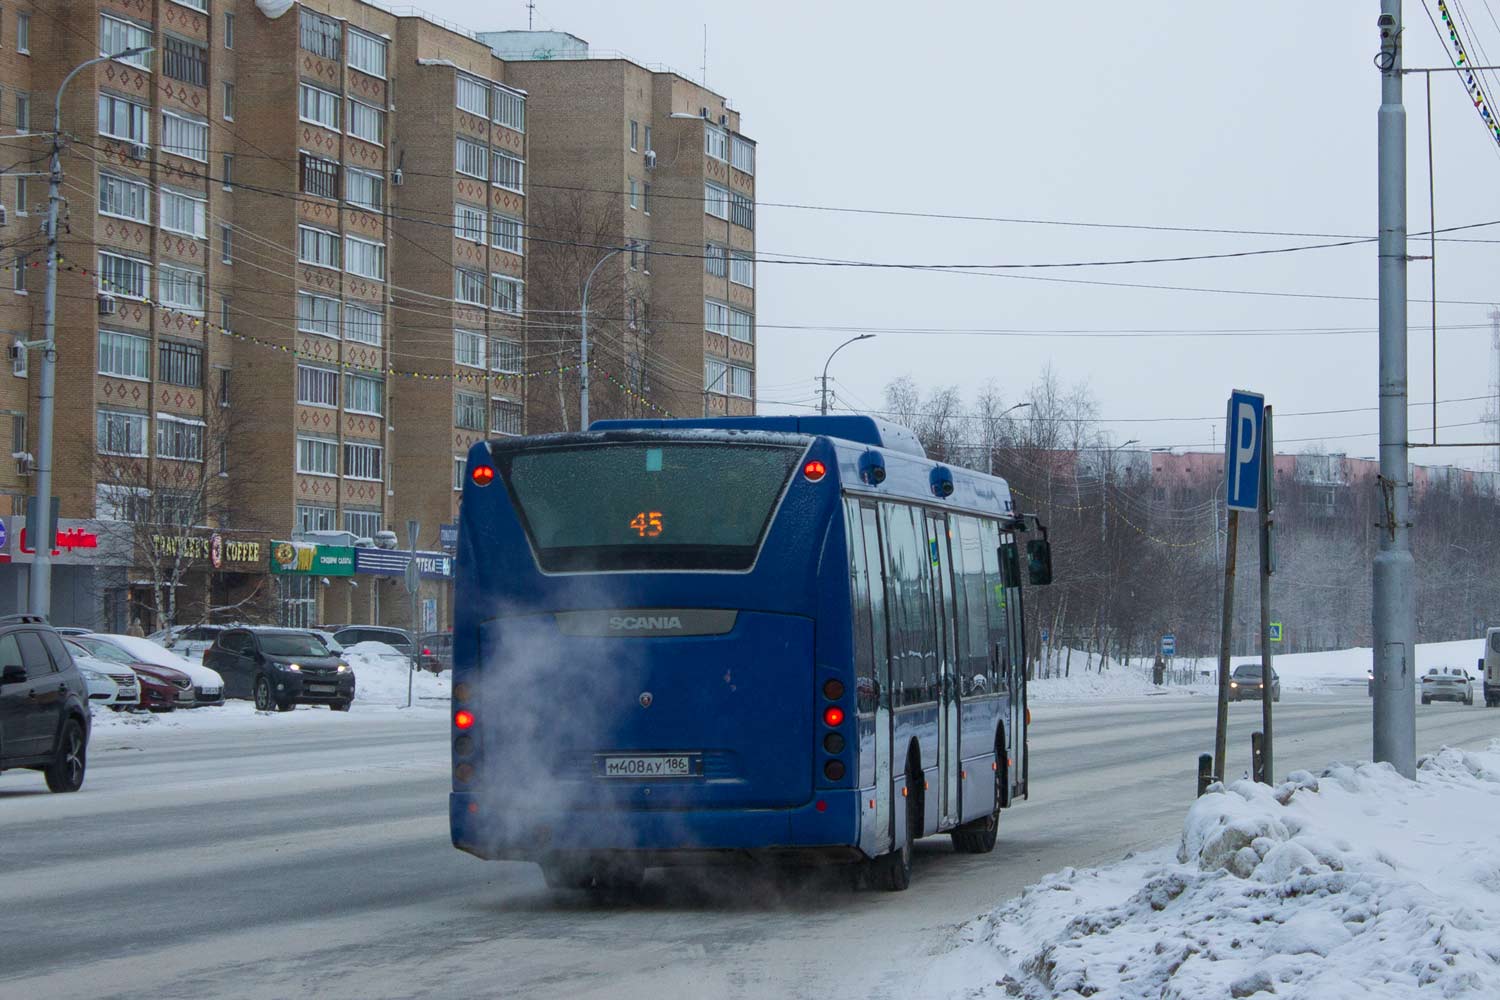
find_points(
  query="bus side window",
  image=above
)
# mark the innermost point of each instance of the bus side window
(880, 648)
(973, 622)
(994, 586)
(906, 584)
(859, 593)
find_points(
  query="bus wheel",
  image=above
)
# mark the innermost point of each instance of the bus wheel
(892, 872)
(978, 836)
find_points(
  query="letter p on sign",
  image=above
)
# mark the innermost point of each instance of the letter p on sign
(1243, 449)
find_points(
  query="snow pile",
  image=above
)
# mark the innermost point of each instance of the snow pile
(1349, 885)
(1116, 681)
(380, 677)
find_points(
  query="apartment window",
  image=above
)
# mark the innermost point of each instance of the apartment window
(715, 316)
(124, 199)
(227, 173)
(634, 256)
(21, 362)
(228, 101)
(317, 386)
(742, 210)
(118, 35)
(633, 129)
(366, 122)
(715, 373)
(469, 222)
(23, 34)
(361, 461)
(310, 517)
(124, 276)
(224, 324)
(506, 234)
(632, 193)
(714, 257)
(367, 53)
(716, 200)
(471, 159)
(505, 356)
(739, 381)
(23, 112)
(318, 457)
(741, 326)
(317, 246)
(362, 325)
(320, 35)
(178, 438)
(468, 287)
(19, 272)
(317, 314)
(510, 109)
(228, 30)
(184, 60)
(646, 199)
(180, 288)
(184, 136)
(364, 258)
(505, 294)
(184, 213)
(742, 155)
(468, 348)
(122, 119)
(473, 95)
(505, 417)
(124, 355)
(195, 4)
(458, 473)
(362, 523)
(23, 199)
(121, 503)
(742, 269)
(468, 411)
(649, 147)
(224, 380)
(716, 143)
(509, 171)
(364, 394)
(180, 364)
(122, 433)
(365, 189)
(223, 462)
(319, 176)
(319, 106)
(18, 441)
(226, 244)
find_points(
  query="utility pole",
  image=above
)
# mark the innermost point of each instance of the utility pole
(1395, 611)
(1226, 634)
(583, 353)
(1267, 567)
(823, 404)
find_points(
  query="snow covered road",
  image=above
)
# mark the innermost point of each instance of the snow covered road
(307, 855)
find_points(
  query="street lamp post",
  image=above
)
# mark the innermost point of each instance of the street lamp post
(823, 404)
(989, 447)
(43, 531)
(583, 363)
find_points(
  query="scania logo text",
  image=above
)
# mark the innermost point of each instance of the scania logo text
(644, 623)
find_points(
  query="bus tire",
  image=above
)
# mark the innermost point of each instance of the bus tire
(978, 835)
(892, 872)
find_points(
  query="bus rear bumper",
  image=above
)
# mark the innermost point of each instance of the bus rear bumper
(666, 836)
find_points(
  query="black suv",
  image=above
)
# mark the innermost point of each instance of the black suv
(280, 668)
(44, 703)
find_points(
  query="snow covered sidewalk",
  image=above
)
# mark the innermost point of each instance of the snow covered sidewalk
(1354, 883)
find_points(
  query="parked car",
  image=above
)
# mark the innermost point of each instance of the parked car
(398, 638)
(208, 686)
(1245, 683)
(1447, 684)
(281, 668)
(73, 630)
(188, 641)
(334, 646)
(111, 684)
(44, 704)
(435, 651)
(162, 688)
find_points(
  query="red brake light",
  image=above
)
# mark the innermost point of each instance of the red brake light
(814, 470)
(426, 651)
(482, 475)
(463, 720)
(833, 716)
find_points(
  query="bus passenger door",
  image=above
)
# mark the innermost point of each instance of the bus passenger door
(948, 753)
(884, 789)
(1015, 626)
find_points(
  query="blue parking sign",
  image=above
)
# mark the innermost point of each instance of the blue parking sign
(1243, 448)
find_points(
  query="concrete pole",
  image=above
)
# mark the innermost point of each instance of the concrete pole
(823, 406)
(1395, 610)
(583, 366)
(1267, 566)
(1226, 635)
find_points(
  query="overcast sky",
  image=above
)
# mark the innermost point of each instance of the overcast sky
(1258, 116)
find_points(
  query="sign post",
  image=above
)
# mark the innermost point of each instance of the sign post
(1242, 472)
(413, 585)
(1267, 567)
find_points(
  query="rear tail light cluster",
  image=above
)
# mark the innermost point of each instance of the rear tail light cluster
(465, 736)
(834, 741)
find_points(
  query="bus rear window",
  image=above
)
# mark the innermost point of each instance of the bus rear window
(647, 505)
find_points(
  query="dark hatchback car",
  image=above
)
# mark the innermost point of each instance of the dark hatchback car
(1245, 683)
(44, 704)
(280, 669)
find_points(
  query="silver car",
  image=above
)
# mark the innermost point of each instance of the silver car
(1447, 684)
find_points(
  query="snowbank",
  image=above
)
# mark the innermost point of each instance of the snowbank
(380, 677)
(1115, 682)
(1351, 884)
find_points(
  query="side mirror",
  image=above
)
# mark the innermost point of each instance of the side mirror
(1039, 561)
(14, 673)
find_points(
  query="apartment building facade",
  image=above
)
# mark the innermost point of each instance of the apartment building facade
(627, 156)
(259, 336)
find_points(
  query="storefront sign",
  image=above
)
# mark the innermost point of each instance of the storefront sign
(70, 538)
(215, 548)
(319, 560)
(392, 562)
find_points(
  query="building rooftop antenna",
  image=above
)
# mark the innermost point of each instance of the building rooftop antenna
(704, 72)
(530, 11)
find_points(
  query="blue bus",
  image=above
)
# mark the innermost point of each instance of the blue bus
(688, 641)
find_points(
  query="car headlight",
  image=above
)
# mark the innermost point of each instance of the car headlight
(295, 668)
(1234, 684)
(343, 668)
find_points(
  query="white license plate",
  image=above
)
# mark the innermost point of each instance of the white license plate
(210, 692)
(676, 765)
